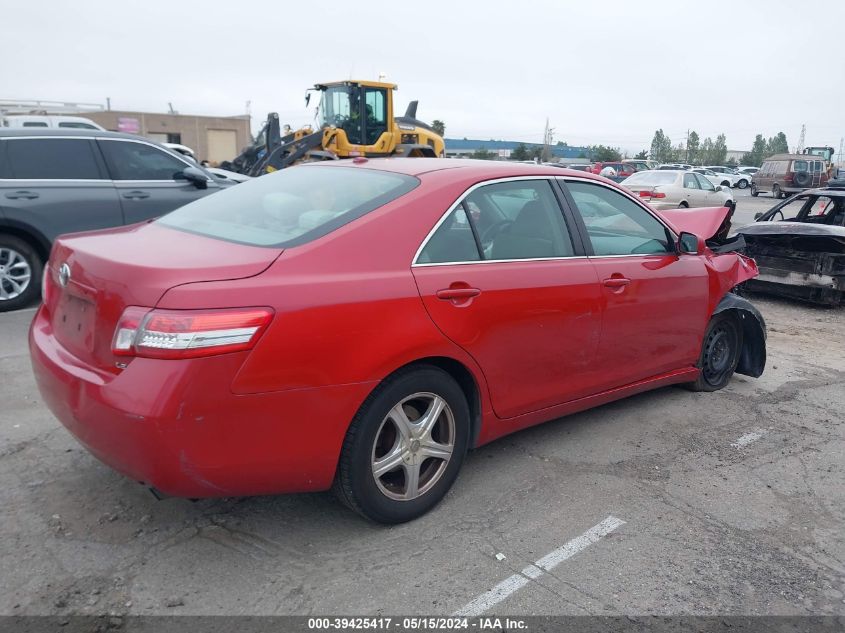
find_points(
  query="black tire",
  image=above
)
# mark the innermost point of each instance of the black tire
(726, 183)
(18, 258)
(683, 205)
(802, 179)
(742, 184)
(356, 484)
(720, 351)
(776, 194)
(754, 191)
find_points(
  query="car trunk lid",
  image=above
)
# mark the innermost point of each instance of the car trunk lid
(93, 277)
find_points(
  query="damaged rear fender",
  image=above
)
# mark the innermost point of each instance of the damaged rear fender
(752, 358)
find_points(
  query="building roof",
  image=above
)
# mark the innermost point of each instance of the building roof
(561, 151)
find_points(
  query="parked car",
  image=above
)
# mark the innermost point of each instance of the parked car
(750, 171)
(641, 164)
(789, 173)
(664, 189)
(623, 170)
(225, 174)
(48, 121)
(59, 181)
(714, 178)
(730, 176)
(674, 166)
(587, 167)
(184, 150)
(268, 339)
(799, 245)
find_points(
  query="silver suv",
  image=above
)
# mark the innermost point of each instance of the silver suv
(64, 181)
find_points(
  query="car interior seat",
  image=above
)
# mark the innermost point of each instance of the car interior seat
(531, 235)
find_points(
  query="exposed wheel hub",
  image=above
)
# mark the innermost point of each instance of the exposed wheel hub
(15, 274)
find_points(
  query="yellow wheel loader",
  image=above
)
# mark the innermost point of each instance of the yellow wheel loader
(354, 118)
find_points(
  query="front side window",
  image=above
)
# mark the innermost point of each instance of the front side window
(616, 224)
(290, 207)
(77, 125)
(128, 160)
(690, 182)
(49, 159)
(705, 184)
(34, 124)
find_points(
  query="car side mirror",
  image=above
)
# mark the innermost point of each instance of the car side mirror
(718, 187)
(196, 176)
(690, 244)
(758, 215)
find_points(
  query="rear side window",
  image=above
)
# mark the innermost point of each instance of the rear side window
(290, 207)
(78, 125)
(34, 124)
(453, 241)
(128, 160)
(49, 159)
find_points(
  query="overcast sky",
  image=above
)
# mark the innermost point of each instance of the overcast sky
(602, 71)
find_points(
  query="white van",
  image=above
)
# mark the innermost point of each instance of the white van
(49, 121)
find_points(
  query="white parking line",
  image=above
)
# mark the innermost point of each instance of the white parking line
(551, 560)
(746, 439)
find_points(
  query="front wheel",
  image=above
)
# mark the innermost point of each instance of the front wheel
(20, 273)
(719, 353)
(405, 446)
(754, 191)
(742, 184)
(776, 194)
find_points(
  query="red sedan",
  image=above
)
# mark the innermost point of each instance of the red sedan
(362, 324)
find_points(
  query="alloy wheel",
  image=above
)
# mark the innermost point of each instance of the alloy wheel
(15, 274)
(413, 446)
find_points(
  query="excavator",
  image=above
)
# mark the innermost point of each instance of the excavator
(354, 118)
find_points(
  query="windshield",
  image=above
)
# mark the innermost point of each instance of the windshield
(799, 165)
(651, 178)
(290, 207)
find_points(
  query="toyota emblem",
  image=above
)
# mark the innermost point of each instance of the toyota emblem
(64, 275)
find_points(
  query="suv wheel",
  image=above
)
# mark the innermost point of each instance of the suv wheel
(405, 446)
(754, 191)
(20, 273)
(776, 194)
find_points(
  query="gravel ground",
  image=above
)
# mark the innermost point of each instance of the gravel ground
(733, 503)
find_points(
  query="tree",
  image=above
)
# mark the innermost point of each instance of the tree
(720, 151)
(642, 155)
(661, 147)
(731, 162)
(520, 152)
(777, 145)
(693, 145)
(758, 150)
(604, 154)
(483, 154)
(706, 151)
(438, 126)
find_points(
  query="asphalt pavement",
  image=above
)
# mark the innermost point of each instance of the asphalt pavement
(669, 502)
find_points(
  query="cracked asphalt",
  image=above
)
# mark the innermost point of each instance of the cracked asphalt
(712, 525)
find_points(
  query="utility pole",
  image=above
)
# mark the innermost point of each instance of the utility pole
(800, 147)
(547, 142)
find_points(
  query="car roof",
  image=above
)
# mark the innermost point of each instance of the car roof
(793, 157)
(462, 167)
(47, 132)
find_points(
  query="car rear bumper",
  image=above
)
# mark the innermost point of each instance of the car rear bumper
(176, 426)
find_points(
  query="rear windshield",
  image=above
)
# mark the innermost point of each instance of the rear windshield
(651, 178)
(290, 207)
(799, 165)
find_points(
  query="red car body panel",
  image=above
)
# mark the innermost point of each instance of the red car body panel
(349, 309)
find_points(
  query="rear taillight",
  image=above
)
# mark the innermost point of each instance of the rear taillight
(652, 194)
(188, 333)
(790, 177)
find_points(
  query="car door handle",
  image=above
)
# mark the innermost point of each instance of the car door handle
(136, 195)
(450, 294)
(26, 195)
(616, 282)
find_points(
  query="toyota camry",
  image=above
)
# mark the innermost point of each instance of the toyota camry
(360, 325)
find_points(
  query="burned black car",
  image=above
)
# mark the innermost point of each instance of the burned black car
(799, 246)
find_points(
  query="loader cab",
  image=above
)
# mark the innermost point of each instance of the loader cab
(363, 110)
